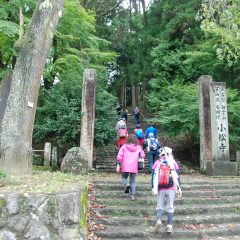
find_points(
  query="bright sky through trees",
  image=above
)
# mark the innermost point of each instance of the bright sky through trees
(126, 3)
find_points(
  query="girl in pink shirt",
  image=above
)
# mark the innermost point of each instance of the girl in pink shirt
(127, 163)
(166, 194)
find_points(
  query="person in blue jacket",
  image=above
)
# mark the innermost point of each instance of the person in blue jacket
(151, 129)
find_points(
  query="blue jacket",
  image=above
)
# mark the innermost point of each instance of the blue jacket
(151, 129)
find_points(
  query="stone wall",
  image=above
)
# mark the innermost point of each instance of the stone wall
(55, 216)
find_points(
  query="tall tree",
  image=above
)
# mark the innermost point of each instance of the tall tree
(75, 47)
(17, 124)
(221, 20)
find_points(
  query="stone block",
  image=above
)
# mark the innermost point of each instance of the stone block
(223, 168)
(75, 161)
(48, 216)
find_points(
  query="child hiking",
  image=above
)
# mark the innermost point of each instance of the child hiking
(127, 163)
(139, 134)
(136, 113)
(122, 135)
(153, 147)
(166, 183)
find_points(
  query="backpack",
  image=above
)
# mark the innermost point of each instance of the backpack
(139, 134)
(122, 133)
(165, 178)
(153, 145)
(122, 124)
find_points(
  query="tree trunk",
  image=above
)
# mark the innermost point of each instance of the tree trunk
(17, 124)
(133, 95)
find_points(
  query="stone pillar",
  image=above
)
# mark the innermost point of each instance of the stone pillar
(205, 121)
(47, 154)
(238, 159)
(219, 119)
(54, 158)
(220, 164)
(88, 113)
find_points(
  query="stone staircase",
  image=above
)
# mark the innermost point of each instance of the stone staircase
(105, 156)
(209, 209)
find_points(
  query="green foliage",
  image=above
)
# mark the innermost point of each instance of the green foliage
(221, 20)
(105, 121)
(233, 119)
(9, 29)
(75, 48)
(58, 119)
(84, 204)
(3, 174)
(37, 160)
(177, 106)
(177, 111)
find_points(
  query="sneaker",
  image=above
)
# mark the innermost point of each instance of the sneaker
(132, 198)
(169, 228)
(158, 225)
(127, 189)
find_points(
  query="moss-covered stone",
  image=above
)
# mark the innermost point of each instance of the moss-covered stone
(2, 205)
(23, 204)
(83, 211)
(52, 206)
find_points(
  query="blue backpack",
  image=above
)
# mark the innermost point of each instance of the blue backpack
(139, 133)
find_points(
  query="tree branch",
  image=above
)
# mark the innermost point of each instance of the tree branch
(110, 10)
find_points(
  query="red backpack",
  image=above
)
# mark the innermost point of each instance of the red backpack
(165, 179)
(122, 133)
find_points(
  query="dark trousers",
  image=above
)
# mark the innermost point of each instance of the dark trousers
(151, 159)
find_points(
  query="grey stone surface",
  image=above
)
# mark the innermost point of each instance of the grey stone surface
(88, 113)
(219, 121)
(238, 159)
(18, 222)
(43, 216)
(12, 205)
(47, 153)
(7, 235)
(37, 230)
(205, 121)
(222, 168)
(75, 161)
(54, 158)
(70, 233)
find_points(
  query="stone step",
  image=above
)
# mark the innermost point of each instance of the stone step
(185, 186)
(186, 194)
(111, 160)
(105, 156)
(143, 231)
(185, 179)
(141, 211)
(112, 168)
(179, 221)
(112, 165)
(209, 209)
(151, 200)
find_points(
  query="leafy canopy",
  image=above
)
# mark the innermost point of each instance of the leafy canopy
(221, 20)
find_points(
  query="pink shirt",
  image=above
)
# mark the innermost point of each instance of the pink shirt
(128, 155)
